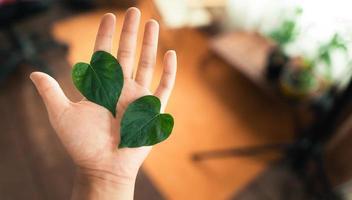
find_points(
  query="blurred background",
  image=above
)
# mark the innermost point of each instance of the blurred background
(262, 99)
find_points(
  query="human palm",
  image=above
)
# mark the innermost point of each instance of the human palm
(88, 131)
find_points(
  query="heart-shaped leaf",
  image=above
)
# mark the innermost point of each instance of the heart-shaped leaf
(143, 125)
(101, 81)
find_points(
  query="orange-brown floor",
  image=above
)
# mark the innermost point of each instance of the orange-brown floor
(214, 108)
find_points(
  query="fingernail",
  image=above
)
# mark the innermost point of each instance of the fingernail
(172, 52)
(31, 76)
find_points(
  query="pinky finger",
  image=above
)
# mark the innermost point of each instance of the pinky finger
(168, 77)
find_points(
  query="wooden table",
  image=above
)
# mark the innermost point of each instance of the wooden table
(246, 52)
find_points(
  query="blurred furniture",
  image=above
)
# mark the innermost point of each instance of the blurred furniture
(338, 154)
(23, 47)
(248, 53)
(183, 13)
(178, 16)
(81, 4)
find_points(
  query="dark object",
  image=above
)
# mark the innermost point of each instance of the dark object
(248, 151)
(13, 11)
(23, 47)
(276, 61)
(82, 4)
(275, 183)
(119, 3)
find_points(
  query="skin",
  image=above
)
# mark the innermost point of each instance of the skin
(89, 132)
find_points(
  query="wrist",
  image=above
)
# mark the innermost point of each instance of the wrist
(99, 184)
(105, 177)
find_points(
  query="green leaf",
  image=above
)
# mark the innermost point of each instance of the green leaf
(143, 124)
(288, 30)
(101, 81)
(286, 33)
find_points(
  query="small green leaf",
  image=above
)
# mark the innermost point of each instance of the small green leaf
(101, 81)
(143, 124)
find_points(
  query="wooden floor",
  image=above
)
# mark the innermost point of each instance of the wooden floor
(214, 107)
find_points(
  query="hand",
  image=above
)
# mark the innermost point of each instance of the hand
(88, 131)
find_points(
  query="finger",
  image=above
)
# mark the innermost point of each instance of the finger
(148, 54)
(128, 41)
(168, 77)
(103, 41)
(54, 98)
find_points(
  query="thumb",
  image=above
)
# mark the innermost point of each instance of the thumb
(54, 98)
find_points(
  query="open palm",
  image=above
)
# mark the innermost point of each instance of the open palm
(88, 131)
